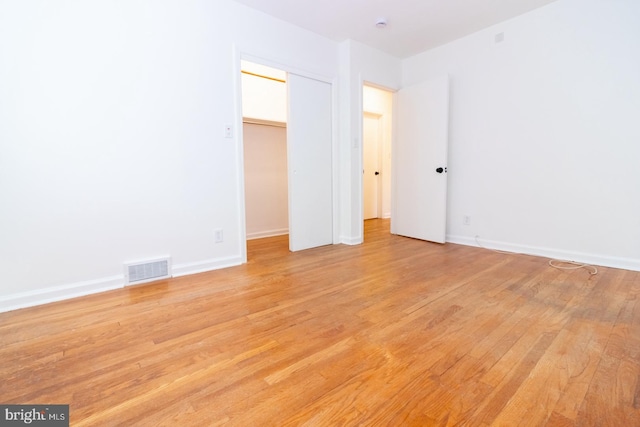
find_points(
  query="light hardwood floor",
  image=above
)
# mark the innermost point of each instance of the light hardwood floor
(389, 333)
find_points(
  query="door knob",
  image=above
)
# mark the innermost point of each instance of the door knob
(440, 170)
(377, 173)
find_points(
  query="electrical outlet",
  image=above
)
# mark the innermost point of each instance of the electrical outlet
(466, 220)
(218, 236)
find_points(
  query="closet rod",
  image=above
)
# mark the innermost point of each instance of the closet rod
(264, 77)
(264, 122)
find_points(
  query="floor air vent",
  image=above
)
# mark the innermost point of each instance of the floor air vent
(147, 271)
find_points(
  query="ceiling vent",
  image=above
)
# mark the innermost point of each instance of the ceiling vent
(147, 271)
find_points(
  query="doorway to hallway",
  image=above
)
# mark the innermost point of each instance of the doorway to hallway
(376, 152)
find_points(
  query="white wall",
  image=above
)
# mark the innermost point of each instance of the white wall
(358, 64)
(112, 144)
(544, 132)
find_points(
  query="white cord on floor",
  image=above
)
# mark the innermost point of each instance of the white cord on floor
(573, 266)
(552, 262)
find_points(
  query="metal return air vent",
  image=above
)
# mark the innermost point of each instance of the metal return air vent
(147, 271)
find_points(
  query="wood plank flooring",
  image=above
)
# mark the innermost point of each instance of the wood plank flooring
(393, 332)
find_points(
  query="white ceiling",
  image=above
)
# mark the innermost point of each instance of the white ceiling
(413, 25)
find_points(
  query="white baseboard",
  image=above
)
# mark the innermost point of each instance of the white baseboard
(351, 240)
(267, 233)
(203, 266)
(80, 289)
(594, 259)
(59, 293)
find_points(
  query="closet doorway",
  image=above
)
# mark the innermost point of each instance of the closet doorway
(272, 99)
(264, 111)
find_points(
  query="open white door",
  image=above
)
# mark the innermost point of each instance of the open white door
(309, 142)
(420, 161)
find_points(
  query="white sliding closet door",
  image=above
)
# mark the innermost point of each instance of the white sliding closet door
(309, 141)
